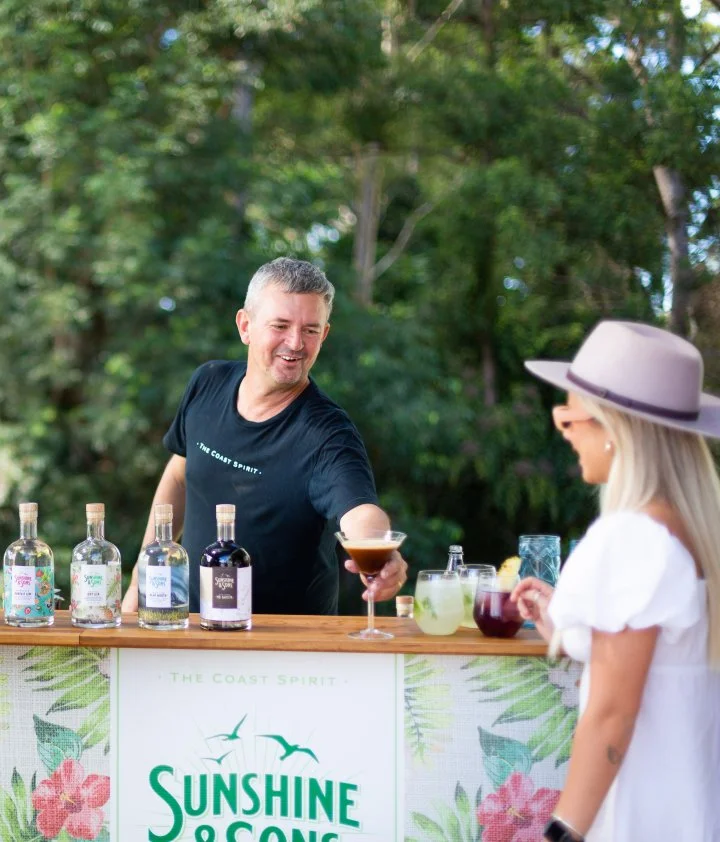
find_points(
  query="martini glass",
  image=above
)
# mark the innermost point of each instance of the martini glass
(371, 550)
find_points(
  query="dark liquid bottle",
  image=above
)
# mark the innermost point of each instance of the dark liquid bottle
(225, 578)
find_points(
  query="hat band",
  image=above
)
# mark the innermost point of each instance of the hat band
(608, 395)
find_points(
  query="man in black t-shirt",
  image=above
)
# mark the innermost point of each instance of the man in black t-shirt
(262, 435)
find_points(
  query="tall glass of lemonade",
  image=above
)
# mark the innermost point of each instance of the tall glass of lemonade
(438, 607)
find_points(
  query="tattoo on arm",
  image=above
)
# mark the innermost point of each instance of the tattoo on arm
(614, 755)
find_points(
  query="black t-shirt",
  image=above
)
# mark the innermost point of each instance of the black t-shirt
(291, 478)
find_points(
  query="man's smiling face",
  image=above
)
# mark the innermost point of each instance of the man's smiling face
(284, 333)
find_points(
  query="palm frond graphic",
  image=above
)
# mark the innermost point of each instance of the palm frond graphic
(526, 685)
(79, 679)
(17, 817)
(5, 706)
(428, 714)
(455, 822)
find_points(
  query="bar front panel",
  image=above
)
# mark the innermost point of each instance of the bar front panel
(132, 745)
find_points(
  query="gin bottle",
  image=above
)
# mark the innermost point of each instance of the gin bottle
(455, 559)
(29, 575)
(225, 578)
(163, 578)
(95, 576)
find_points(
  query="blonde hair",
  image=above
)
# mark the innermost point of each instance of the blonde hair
(654, 462)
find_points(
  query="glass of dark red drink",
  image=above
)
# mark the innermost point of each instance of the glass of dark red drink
(494, 613)
(371, 550)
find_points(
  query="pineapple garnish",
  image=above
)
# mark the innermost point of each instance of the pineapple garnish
(509, 567)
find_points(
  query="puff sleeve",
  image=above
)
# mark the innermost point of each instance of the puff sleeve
(628, 571)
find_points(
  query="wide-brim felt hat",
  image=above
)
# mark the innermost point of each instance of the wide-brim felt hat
(641, 370)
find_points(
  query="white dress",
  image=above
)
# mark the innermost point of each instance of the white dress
(629, 571)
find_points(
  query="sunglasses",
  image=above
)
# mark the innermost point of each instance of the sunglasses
(565, 416)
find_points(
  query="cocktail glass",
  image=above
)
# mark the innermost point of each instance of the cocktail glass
(371, 550)
(438, 602)
(495, 614)
(471, 575)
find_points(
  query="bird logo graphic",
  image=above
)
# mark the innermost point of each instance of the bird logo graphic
(289, 748)
(233, 735)
(218, 760)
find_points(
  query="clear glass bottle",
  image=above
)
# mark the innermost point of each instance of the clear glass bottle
(95, 576)
(163, 578)
(225, 578)
(29, 575)
(455, 559)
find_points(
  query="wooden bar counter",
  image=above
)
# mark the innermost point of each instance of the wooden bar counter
(289, 633)
(289, 732)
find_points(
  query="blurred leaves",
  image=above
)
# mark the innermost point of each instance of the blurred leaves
(152, 155)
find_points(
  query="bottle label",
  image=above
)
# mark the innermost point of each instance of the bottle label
(23, 585)
(29, 591)
(225, 593)
(92, 583)
(158, 587)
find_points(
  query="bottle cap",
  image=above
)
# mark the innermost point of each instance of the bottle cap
(95, 511)
(225, 512)
(404, 606)
(455, 548)
(28, 511)
(163, 513)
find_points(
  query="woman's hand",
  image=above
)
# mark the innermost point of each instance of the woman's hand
(533, 597)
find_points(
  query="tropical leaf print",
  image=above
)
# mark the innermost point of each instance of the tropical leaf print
(17, 817)
(77, 678)
(457, 823)
(428, 714)
(55, 743)
(114, 592)
(534, 689)
(502, 756)
(5, 707)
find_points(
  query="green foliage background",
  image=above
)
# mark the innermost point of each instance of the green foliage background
(152, 155)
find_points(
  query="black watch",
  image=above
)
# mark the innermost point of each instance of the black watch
(557, 831)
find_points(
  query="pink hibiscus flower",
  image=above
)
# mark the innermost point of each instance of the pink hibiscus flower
(67, 799)
(515, 813)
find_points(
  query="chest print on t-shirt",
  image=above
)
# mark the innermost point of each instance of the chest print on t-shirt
(226, 460)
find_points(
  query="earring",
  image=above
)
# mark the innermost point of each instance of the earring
(608, 446)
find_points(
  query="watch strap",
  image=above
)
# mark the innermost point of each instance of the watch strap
(557, 831)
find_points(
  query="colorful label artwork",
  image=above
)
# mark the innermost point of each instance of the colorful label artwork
(28, 591)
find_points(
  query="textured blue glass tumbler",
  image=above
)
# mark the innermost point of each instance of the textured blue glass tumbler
(539, 557)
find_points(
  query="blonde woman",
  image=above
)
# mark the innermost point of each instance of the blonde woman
(638, 601)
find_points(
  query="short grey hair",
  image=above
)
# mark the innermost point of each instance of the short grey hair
(290, 275)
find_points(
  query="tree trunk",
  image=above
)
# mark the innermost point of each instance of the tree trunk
(367, 211)
(671, 186)
(488, 372)
(487, 18)
(241, 107)
(488, 297)
(670, 182)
